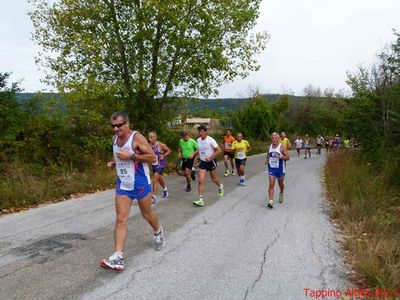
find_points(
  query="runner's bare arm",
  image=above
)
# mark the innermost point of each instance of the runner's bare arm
(216, 152)
(194, 154)
(166, 150)
(111, 163)
(248, 147)
(267, 156)
(145, 154)
(285, 153)
(179, 152)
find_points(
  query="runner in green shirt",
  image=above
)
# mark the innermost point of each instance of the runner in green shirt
(187, 151)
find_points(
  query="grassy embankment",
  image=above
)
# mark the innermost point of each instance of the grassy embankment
(367, 206)
(24, 185)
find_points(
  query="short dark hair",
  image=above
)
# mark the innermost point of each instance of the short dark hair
(202, 127)
(122, 114)
(184, 133)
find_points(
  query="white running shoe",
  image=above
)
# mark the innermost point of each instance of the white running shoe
(159, 240)
(113, 263)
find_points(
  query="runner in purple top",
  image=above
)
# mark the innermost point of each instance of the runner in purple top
(161, 151)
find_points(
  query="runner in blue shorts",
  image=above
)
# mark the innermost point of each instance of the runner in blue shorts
(132, 152)
(277, 155)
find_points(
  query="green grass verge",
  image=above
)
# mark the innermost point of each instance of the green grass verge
(368, 208)
(24, 186)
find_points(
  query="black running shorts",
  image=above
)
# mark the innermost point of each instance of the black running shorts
(208, 165)
(187, 163)
(230, 154)
(240, 162)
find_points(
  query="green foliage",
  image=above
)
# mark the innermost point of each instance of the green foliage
(373, 114)
(11, 116)
(43, 139)
(279, 112)
(256, 119)
(317, 113)
(144, 52)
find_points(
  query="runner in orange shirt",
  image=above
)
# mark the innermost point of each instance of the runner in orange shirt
(228, 152)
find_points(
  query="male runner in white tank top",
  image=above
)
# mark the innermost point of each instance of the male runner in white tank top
(132, 152)
(277, 156)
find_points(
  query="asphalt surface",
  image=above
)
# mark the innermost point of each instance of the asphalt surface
(234, 248)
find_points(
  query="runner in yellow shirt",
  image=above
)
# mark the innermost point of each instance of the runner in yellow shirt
(241, 148)
(284, 140)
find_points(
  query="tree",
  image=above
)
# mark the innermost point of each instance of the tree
(280, 109)
(147, 51)
(255, 119)
(10, 115)
(374, 111)
(311, 92)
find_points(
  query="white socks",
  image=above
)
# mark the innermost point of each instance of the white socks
(158, 231)
(119, 255)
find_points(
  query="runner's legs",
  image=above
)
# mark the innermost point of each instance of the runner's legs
(147, 212)
(241, 170)
(161, 180)
(215, 178)
(232, 163)
(202, 176)
(281, 184)
(155, 183)
(271, 187)
(122, 208)
(187, 174)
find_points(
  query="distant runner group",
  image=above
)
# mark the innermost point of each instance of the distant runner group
(132, 154)
(331, 144)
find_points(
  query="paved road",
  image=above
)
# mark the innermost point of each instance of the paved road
(234, 248)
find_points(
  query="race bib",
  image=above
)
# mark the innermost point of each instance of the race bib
(126, 175)
(241, 155)
(157, 161)
(228, 146)
(203, 155)
(274, 162)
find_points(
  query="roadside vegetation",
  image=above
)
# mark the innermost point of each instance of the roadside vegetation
(364, 186)
(367, 206)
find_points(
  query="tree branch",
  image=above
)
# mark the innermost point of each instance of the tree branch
(122, 50)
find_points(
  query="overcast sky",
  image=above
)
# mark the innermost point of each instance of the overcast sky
(312, 41)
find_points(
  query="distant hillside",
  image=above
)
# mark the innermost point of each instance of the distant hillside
(21, 97)
(225, 105)
(220, 105)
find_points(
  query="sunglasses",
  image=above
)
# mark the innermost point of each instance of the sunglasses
(118, 125)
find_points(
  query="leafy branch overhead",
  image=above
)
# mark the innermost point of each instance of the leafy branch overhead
(147, 48)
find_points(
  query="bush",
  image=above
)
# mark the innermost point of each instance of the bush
(368, 208)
